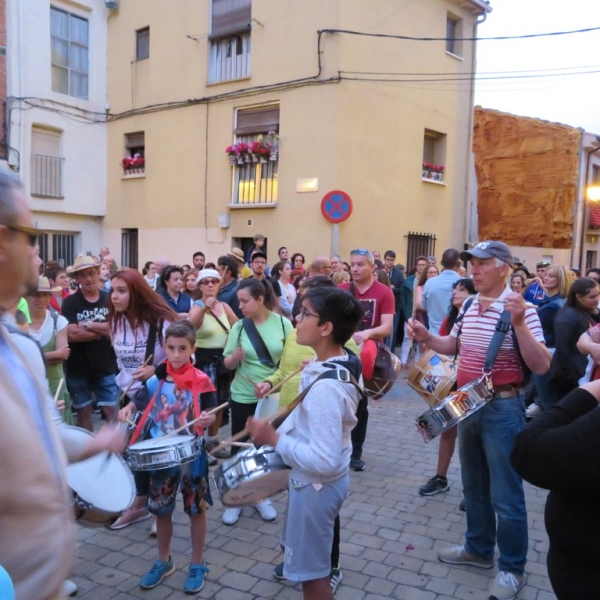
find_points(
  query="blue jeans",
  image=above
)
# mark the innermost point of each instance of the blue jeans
(491, 486)
(81, 388)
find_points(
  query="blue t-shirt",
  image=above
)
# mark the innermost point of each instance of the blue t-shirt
(171, 407)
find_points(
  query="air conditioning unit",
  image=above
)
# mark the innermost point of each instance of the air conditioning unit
(111, 4)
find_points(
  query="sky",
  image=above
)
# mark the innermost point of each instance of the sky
(566, 86)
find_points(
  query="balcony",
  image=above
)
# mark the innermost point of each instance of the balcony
(46, 176)
(229, 59)
(255, 185)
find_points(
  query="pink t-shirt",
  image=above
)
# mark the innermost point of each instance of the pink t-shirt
(377, 300)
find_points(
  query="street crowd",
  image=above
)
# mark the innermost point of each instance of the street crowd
(192, 349)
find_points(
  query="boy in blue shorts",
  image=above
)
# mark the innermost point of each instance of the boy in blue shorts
(315, 439)
(176, 389)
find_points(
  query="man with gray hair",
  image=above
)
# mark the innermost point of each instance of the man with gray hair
(321, 265)
(494, 496)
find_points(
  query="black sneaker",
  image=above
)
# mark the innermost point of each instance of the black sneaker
(356, 464)
(434, 486)
(278, 571)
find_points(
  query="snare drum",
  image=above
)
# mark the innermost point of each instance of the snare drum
(433, 377)
(267, 406)
(455, 408)
(251, 476)
(158, 453)
(102, 485)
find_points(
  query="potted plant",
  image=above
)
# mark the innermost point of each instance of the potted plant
(134, 164)
(272, 142)
(434, 172)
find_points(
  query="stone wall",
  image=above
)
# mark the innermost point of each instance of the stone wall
(527, 170)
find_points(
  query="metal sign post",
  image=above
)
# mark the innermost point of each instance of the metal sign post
(336, 207)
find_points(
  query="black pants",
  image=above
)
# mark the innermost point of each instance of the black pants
(359, 433)
(239, 415)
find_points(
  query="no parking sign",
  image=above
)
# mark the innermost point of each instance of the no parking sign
(336, 207)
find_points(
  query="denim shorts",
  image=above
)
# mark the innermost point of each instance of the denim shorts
(104, 388)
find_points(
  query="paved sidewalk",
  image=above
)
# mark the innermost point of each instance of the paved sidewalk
(390, 534)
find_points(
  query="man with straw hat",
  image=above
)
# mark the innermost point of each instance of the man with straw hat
(244, 270)
(91, 366)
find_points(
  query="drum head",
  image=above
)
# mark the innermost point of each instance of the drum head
(104, 480)
(267, 406)
(157, 443)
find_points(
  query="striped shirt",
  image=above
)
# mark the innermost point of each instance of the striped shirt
(475, 337)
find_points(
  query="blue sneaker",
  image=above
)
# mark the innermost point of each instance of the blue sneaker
(195, 579)
(157, 573)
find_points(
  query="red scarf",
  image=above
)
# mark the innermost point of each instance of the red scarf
(185, 378)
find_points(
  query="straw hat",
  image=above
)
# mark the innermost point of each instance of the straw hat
(82, 263)
(44, 286)
(238, 254)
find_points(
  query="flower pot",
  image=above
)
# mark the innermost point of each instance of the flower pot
(274, 155)
(438, 175)
(254, 158)
(425, 173)
(240, 159)
(263, 160)
(246, 158)
(232, 159)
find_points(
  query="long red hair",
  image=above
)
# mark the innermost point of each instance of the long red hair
(145, 305)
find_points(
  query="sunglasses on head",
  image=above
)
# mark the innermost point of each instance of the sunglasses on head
(362, 252)
(31, 233)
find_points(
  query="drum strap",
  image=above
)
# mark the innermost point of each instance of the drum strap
(502, 327)
(144, 418)
(338, 374)
(264, 356)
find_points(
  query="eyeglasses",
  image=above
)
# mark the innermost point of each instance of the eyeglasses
(259, 263)
(209, 282)
(363, 252)
(304, 313)
(31, 233)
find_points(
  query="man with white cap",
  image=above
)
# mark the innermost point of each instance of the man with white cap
(91, 366)
(493, 490)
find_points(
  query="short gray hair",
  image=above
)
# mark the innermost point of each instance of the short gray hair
(9, 183)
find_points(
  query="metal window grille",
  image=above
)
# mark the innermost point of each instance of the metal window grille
(255, 183)
(419, 244)
(58, 246)
(229, 58)
(46, 176)
(129, 248)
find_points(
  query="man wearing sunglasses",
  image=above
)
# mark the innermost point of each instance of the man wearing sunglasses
(378, 319)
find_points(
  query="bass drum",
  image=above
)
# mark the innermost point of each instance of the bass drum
(103, 486)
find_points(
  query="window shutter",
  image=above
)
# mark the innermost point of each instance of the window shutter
(134, 140)
(45, 142)
(257, 120)
(230, 17)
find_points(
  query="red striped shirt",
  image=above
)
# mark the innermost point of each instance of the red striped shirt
(475, 337)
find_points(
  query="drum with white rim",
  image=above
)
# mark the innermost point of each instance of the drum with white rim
(251, 476)
(433, 377)
(458, 406)
(267, 406)
(159, 453)
(103, 486)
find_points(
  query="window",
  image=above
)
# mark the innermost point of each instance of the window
(58, 246)
(419, 244)
(229, 54)
(69, 39)
(434, 155)
(142, 43)
(454, 33)
(46, 163)
(255, 180)
(134, 161)
(129, 248)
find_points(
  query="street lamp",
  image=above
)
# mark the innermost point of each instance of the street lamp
(593, 193)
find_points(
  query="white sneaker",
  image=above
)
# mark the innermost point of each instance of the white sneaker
(231, 516)
(153, 531)
(69, 588)
(266, 510)
(506, 586)
(533, 410)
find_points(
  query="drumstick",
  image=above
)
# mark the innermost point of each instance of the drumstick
(246, 378)
(176, 431)
(240, 444)
(60, 384)
(284, 381)
(132, 382)
(490, 299)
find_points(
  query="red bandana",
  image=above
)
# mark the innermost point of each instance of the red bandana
(190, 378)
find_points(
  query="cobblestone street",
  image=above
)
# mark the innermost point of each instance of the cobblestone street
(390, 534)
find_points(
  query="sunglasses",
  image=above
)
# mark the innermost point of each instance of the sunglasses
(362, 252)
(209, 282)
(31, 233)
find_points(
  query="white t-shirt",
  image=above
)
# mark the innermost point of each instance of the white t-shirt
(43, 335)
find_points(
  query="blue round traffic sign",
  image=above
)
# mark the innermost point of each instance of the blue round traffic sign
(336, 206)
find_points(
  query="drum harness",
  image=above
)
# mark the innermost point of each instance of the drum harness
(502, 327)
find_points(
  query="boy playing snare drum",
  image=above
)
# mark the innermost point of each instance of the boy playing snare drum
(176, 388)
(315, 439)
